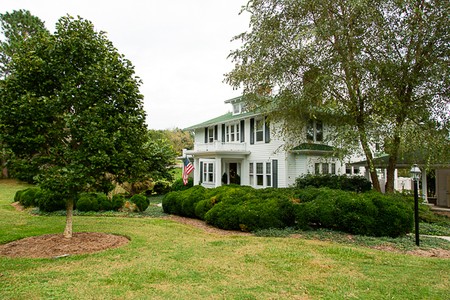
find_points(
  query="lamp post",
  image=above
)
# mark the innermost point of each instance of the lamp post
(415, 175)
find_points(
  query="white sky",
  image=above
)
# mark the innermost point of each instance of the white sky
(179, 49)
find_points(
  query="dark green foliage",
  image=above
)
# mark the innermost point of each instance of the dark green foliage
(179, 186)
(49, 201)
(87, 202)
(338, 182)
(28, 197)
(171, 203)
(203, 206)
(117, 201)
(162, 187)
(371, 213)
(190, 199)
(244, 208)
(94, 202)
(141, 201)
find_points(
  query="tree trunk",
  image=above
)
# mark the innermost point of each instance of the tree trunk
(369, 158)
(69, 214)
(393, 154)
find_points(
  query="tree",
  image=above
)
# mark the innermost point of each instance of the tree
(16, 27)
(370, 68)
(178, 138)
(71, 104)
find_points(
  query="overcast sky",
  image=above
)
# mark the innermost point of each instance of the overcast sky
(179, 49)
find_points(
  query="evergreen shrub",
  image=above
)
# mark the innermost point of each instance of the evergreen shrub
(49, 201)
(28, 197)
(88, 202)
(339, 182)
(178, 185)
(369, 213)
(117, 202)
(162, 187)
(141, 201)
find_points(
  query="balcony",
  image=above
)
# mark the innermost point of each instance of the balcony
(219, 148)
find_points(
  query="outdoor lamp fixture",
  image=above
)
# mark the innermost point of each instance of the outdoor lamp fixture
(415, 175)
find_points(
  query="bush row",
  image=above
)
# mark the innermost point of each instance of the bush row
(49, 201)
(248, 209)
(339, 182)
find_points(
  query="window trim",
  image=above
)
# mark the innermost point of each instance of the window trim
(208, 172)
(261, 173)
(313, 133)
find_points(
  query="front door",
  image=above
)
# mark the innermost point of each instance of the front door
(234, 174)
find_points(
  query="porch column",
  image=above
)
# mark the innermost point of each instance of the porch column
(424, 186)
(218, 175)
(197, 172)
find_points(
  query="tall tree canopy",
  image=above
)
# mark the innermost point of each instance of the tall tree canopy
(373, 70)
(71, 105)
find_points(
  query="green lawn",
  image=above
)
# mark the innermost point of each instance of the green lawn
(167, 260)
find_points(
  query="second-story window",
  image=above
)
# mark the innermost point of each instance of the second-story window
(233, 133)
(314, 131)
(259, 130)
(210, 134)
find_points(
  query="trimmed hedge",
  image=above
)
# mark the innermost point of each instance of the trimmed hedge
(248, 209)
(141, 201)
(94, 202)
(370, 213)
(339, 182)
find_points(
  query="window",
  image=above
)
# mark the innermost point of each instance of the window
(259, 130)
(210, 134)
(236, 108)
(208, 172)
(268, 174)
(314, 131)
(251, 173)
(260, 174)
(233, 133)
(324, 168)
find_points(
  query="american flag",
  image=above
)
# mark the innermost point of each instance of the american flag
(187, 169)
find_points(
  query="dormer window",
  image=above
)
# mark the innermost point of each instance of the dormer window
(314, 131)
(236, 108)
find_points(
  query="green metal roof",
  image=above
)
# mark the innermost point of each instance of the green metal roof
(228, 117)
(312, 147)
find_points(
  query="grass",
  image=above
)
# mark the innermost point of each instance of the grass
(167, 260)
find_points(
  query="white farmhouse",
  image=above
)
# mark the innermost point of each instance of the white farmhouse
(240, 147)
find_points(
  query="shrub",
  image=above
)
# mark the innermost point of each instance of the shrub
(178, 185)
(50, 201)
(370, 213)
(141, 201)
(190, 199)
(117, 201)
(28, 197)
(162, 187)
(171, 203)
(104, 203)
(17, 195)
(88, 202)
(340, 182)
(248, 209)
(203, 206)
